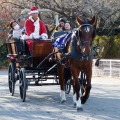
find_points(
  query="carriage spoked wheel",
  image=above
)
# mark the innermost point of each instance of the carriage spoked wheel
(23, 84)
(37, 83)
(11, 78)
(67, 86)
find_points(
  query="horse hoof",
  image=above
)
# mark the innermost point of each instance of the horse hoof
(79, 109)
(83, 99)
(63, 101)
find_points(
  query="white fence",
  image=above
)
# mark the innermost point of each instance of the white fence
(107, 67)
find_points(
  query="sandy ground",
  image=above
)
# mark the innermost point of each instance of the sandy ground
(43, 102)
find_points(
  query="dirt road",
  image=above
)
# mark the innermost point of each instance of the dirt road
(43, 102)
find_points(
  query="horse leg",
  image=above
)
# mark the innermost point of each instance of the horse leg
(86, 94)
(74, 95)
(76, 89)
(61, 82)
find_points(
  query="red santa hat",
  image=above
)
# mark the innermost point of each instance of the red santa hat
(33, 10)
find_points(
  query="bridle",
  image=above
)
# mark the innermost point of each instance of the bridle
(81, 43)
(78, 38)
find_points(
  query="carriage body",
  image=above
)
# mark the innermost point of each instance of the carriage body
(18, 52)
(41, 49)
(24, 64)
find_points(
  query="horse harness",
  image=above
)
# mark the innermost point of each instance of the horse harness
(76, 40)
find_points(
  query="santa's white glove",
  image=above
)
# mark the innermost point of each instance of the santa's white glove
(44, 37)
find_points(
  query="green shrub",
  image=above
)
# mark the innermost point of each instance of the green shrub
(3, 54)
(111, 46)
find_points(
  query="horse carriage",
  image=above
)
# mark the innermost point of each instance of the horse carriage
(78, 54)
(28, 67)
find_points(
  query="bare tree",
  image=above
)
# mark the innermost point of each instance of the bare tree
(107, 12)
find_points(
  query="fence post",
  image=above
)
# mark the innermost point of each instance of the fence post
(110, 69)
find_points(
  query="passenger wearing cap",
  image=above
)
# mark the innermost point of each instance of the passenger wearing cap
(34, 28)
(62, 23)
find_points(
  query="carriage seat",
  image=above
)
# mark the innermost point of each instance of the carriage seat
(16, 47)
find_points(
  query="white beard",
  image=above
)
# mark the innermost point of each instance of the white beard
(37, 26)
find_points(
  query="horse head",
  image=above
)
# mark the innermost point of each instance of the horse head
(85, 35)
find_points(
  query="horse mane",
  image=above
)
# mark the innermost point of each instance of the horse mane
(78, 34)
(68, 45)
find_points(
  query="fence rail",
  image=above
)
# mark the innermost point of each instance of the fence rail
(107, 67)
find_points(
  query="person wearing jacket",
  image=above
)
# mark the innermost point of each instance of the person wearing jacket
(34, 28)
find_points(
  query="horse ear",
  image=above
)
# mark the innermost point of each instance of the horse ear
(93, 21)
(79, 21)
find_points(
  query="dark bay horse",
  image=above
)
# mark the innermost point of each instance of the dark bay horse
(80, 49)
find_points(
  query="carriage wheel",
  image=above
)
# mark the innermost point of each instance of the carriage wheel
(23, 84)
(11, 78)
(67, 86)
(36, 83)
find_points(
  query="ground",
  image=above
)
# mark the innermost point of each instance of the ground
(43, 102)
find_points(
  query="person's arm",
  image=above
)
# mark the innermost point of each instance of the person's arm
(43, 30)
(28, 27)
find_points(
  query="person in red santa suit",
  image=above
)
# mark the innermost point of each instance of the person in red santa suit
(34, 28)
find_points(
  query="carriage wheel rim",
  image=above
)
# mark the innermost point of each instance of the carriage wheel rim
(9, 80)
(11, 83)
(22, 86)
(67, 87)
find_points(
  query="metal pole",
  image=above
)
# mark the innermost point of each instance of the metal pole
(56, 20)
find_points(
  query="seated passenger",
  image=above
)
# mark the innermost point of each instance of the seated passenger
(16, 29)
(21, 23)
(14, 32)
(62, 23)
(62, 40)
(57, 30)
(35, 28)
(67, 26)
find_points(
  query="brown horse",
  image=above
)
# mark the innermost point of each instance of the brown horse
(80, 49)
